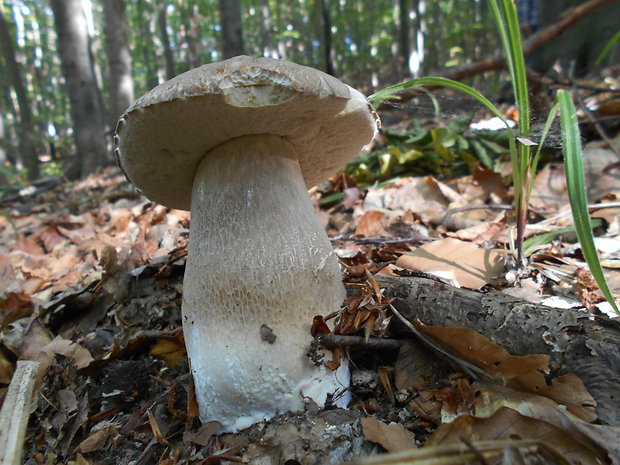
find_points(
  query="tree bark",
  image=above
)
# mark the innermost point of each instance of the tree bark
(267, 31)
(404, 36)
(327, 36)
(576, 342)
(81, 85)
(119, 59)
(232, 32)
(190, 34)
(3, 157)
(27, 145)
(162, 24)
(145, 47)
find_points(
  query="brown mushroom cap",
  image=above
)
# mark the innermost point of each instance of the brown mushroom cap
(165, 133)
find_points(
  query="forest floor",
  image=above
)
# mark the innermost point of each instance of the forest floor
(91, 284)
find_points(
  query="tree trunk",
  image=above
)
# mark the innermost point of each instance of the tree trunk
(3, 158)
(582, 43)
(327, 36)
(575, 341)
(81, 85)
(145, 46)
(232, 32)
(119, 58)
(162, 24)
(190, 34)
(267, 31)
(404, 36)
(27, 145)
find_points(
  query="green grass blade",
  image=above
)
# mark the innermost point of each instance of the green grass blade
(392, 91)
(577, 192)
(607, 48)
(531, 244)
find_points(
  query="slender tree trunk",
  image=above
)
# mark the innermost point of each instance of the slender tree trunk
(267, 31)
(162, 24)
(145, 46)
(404, 36)
(87, 115)
(3, 157)
(232, 32)
(327, 36)
(190, 34)
(119, 58)
(27, 145)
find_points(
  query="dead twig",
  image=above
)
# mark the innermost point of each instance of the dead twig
(336, 340)
(376, 240)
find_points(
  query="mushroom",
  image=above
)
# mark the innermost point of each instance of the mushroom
(239, 142)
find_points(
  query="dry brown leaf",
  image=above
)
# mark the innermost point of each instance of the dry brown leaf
(371, 224)
(549, 188)
(96, 441)
(463, 263)
(493, 398)
(100, 434)
(520, 372)
(509, 424)
(392, 437)
(156, 429)
(79, 356)
(413, 363)
(6, 368)
(426, 197)
(483, 233)
(492, 183)
(171, 350)
(568, 390)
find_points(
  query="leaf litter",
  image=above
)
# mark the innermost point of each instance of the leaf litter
(92, 284)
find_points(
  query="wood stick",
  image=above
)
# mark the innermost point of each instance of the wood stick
(578, 342)
(15, 412)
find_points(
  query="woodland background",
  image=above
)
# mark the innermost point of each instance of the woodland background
(70, 67)
(91, 272)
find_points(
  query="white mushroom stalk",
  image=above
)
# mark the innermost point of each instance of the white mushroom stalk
(259, 265)
(239, 142)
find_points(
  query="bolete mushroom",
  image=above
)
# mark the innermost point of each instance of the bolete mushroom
(239, 142)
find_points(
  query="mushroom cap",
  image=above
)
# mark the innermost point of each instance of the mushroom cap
(163, 135)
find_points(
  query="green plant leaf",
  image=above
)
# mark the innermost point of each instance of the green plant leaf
(607, 48)
(573, 163)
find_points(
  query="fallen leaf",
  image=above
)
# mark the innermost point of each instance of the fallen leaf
(171, 350)
(392, 437)
(371, 224)
(463, 263)
(509, 424)
(520, 372)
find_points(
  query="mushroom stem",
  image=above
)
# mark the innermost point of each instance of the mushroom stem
(258, 258)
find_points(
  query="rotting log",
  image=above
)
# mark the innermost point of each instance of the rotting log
(576, 341)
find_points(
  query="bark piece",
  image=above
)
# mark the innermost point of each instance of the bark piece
(576, 342)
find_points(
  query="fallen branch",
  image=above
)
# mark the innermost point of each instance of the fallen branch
(535, 41)
(576, 341)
